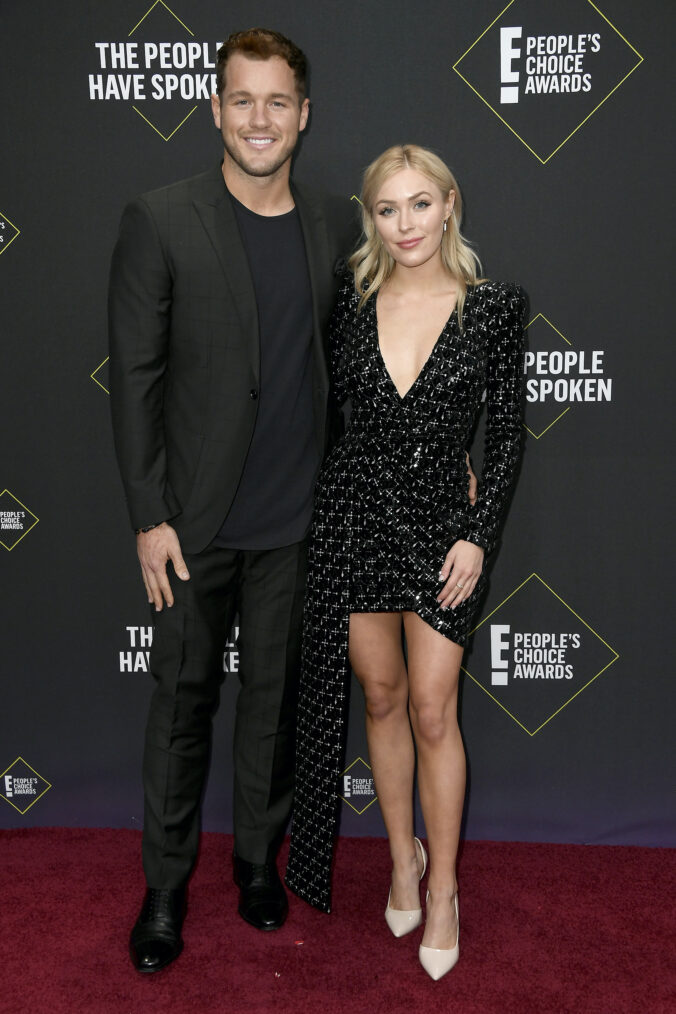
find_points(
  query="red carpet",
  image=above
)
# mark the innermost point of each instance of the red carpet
(544, 928)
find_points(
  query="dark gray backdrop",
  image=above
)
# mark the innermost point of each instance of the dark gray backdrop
(561, 754)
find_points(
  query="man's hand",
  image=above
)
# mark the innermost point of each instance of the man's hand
(472, 488)
(154, 548)
(461, 571)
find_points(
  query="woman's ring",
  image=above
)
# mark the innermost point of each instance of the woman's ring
(458, 585)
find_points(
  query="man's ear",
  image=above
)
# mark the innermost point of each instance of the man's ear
(216, 109)
(304, 114)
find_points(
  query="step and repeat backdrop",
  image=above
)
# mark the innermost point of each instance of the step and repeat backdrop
(555, 118)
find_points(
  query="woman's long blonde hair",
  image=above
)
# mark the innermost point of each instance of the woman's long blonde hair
(371, 264)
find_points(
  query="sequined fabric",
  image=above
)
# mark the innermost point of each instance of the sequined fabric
(390, 502)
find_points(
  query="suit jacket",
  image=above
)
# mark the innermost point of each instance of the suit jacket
(184, 347)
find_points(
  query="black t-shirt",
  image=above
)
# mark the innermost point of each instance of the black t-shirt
(273, 504)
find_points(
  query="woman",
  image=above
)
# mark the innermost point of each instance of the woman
(416, 339)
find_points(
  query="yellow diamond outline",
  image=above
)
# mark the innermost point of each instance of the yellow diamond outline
(167, 8)
(92, 377)
(17, 232)
(375, 798)
(157, 131)
(544, 161)
(561, 415)
(577, 692)
(10, 548)
(183, 25)
(48, 784)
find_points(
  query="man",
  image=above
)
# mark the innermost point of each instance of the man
(220, 291)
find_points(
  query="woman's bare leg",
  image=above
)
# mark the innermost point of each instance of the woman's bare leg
(433, 672)
(377, 658)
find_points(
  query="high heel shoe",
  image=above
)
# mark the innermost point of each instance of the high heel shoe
(402, 921)
(438, 960)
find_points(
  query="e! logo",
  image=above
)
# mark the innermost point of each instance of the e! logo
(358, 790)
(509, 78)
(499, 645)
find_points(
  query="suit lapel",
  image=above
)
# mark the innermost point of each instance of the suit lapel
(313, 225)
(218, 218)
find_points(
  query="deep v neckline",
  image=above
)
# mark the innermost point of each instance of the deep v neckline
(404, 396)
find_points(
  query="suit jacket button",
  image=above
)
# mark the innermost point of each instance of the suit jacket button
(253, 393)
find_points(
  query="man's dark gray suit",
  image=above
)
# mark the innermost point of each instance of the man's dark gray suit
(184, 380)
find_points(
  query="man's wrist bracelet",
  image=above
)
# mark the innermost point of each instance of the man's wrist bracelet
(148, 528)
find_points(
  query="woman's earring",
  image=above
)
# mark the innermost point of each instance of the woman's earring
(445, 224)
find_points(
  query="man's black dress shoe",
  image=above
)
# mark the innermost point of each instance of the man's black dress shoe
(155, 940)
(262, 898)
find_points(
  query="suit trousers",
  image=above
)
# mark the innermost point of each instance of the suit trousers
(266, 589)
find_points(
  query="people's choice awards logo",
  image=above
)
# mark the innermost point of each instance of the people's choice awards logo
(159, 68)
(356, 786)
(16, 520)
(21, 786)
(136, 656)
(544, 69)
(560, 376)
(8, 233)
(533, 655)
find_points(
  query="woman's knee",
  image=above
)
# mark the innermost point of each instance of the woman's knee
(432, 720)
(383, 699)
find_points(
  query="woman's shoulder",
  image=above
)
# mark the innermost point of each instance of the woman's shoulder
(497, 295)
(346, 286)
(491, 288)
(347, 297)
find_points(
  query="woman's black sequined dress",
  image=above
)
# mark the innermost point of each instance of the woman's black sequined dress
(391, 500)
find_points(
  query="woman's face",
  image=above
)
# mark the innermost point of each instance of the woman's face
(409, 213)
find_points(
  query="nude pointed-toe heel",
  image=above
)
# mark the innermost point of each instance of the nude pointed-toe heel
(403, 921)
(437, 961)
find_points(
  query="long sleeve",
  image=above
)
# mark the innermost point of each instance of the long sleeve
(504, 397)
(139, 304)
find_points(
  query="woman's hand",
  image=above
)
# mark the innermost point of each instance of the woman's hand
(461, 571)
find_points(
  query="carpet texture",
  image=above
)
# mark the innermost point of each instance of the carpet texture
(545, 929)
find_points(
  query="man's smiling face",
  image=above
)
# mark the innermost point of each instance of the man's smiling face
(259, 114)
